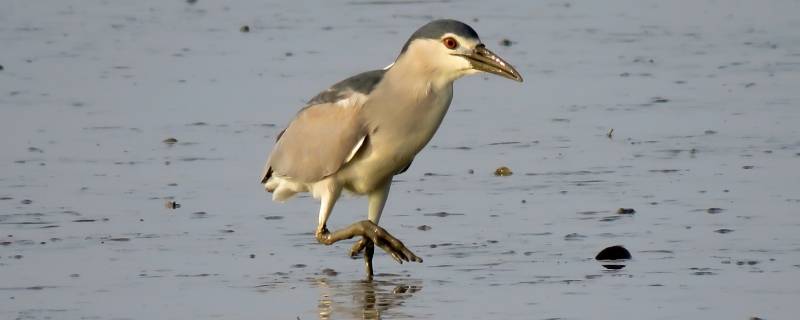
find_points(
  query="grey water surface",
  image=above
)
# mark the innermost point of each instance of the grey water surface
(703, 98)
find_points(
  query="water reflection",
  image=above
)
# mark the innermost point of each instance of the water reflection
(364, 299)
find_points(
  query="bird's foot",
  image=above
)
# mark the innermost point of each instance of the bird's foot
(383, 239)
(371, 235)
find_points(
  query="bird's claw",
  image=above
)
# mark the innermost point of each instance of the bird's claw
(387, 242)
(358, 247)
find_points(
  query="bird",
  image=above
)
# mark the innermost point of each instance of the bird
(362, 131)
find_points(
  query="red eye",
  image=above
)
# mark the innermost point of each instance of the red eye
(450, 43)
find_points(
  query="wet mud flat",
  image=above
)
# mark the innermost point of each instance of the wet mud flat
(133, 135)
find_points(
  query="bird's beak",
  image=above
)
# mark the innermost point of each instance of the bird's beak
(483, 59)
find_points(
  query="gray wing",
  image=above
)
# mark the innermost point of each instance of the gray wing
(324, 135)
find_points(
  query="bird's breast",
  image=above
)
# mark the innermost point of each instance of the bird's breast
(405, 127)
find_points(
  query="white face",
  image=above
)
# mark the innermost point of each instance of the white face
(441, 58)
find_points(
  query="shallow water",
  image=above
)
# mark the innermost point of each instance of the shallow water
(702, 97)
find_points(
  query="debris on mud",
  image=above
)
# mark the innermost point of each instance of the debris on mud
(626, 211)
(506, 42)
(330, 272)
(170, 204)
(503, 171)
(424, 227)
(714, 210)
(244, 29)
(170, 141)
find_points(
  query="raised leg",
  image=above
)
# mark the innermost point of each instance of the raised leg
(369, 230)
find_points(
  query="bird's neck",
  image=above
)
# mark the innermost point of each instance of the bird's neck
(412, 74)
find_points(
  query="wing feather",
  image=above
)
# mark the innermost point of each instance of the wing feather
(324, 135)
(317, 143)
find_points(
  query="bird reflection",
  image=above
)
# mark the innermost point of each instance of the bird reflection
(364, 299)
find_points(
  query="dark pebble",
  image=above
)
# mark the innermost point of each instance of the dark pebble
(424, 227)
(748, 167)
(252, 256)
(714, 210)
(613, 253)
(626, 211)
(659, 99)
(299, 265)
(191, 1)
(26, 201)
(723, 231)
(506, 42)
(245, 29)
(273, 217)
(170, 141)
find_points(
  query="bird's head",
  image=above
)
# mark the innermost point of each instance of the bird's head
(452, 49)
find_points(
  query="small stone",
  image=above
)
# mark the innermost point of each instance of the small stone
(252, 256)
(244, 29)
(470, 171)
(172, 204)
(612, 257)
(613, 253)
(506, 42)
(626, 211)
(1, 67)
(748, 167)
(330, 272)
(26, 201)
(170, 141)
(723, 231)
(714, 210)
(659, 99)
(503, 171)
(424, 227)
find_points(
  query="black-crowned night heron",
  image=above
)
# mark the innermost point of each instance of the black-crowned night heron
(362, 131)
